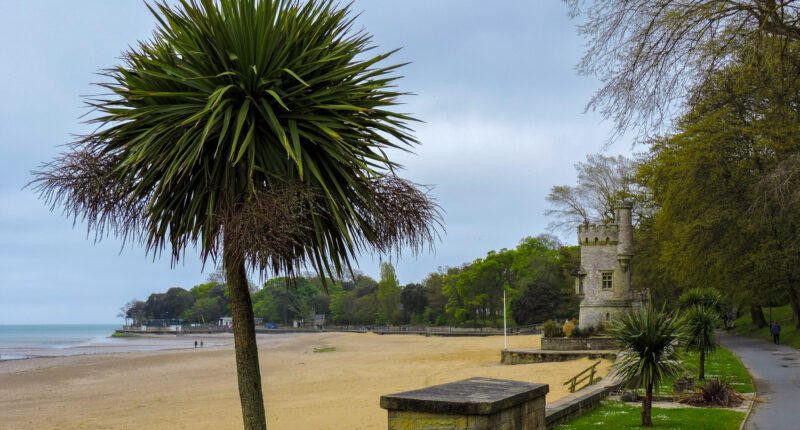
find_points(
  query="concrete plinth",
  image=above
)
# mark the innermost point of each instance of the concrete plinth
(471, 404)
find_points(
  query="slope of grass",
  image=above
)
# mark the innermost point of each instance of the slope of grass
(790, 335)
(721, 364)
(617, 415)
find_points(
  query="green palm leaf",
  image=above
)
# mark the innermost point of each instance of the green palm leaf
(252, 130)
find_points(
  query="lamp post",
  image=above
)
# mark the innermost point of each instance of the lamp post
(505, 335)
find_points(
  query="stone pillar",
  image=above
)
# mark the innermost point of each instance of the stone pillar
(470, 404)
(622, 291)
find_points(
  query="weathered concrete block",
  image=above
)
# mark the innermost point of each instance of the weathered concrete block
(471, 404)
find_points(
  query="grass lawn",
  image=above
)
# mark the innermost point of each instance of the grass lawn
(721, 364)
(612, 414)
(790, 335)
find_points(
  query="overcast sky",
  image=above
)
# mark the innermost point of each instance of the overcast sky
(494, 82)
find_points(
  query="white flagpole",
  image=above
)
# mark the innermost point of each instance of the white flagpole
(505, 335)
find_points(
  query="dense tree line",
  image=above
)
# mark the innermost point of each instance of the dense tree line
(535, 277)
(204, 303)
(726, 184)
(712, 88)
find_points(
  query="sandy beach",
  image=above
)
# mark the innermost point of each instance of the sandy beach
(196, 389)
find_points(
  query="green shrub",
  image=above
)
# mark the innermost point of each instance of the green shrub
(552, 329)
(715, 392)
(579, 333)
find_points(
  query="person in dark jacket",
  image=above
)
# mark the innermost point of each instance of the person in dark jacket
(775, 331)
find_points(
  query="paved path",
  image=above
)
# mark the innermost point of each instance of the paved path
(776, 374)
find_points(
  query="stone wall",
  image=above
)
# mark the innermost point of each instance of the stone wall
(540, 356)
(579, 403)
(570, 344)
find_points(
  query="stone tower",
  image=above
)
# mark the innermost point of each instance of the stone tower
(603, 280)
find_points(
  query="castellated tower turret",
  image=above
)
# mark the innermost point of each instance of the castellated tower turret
(604, 277)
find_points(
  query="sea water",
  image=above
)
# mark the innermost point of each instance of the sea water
(52, 340)
(20, 341)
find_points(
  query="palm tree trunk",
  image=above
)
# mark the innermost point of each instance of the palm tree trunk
(702, 365)
(647, 403)
(244, 339)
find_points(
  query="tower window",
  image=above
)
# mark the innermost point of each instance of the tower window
(580, 285)
(608, 280)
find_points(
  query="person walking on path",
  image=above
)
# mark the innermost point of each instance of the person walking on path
(774, 369)
(775, 331)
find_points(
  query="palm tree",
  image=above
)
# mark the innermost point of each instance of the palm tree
(255, 131)
(709, 298)
(701, 335)
(647, 342)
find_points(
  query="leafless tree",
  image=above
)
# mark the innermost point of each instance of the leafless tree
(651, 54)
(603, 181)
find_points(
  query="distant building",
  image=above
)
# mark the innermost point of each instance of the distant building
(228, 321)
(603, 279)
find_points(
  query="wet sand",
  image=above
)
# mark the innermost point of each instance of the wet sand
(303, 389)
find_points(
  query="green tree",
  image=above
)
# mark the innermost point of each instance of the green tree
(414, 301)
(647, 340)
(343, 307)
(723, 220)
(257, 132)
(203, 291)
(389, 292)
(434, 295)
(701, 333)
(707, 298)
(169, 305)
(367, 308)
(206, 310)
(135, 310)
(537, 304)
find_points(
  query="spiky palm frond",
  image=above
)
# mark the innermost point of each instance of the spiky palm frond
(266, 118)
(706, 297)
(701, 329)
(648, 343)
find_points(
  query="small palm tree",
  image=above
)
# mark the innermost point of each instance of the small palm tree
(648, 355)
(708, 298)
(701, 336)
(251, 130)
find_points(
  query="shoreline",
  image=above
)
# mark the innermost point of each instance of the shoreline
(324, 381)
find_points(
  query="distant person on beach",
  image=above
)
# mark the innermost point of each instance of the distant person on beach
(201, 344)
(195, 344)
(775, 331)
